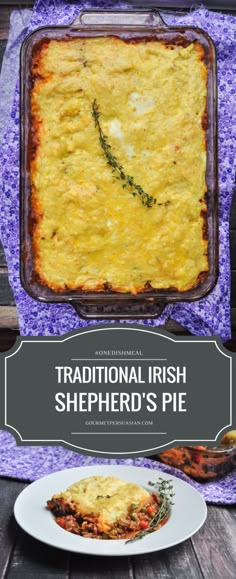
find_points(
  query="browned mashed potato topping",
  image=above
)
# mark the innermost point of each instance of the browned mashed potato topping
(90, 232)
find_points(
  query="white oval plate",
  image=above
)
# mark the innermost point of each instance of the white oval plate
(187, 515)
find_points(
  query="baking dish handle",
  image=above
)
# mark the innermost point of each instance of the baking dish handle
(126, 310)
(140, 18)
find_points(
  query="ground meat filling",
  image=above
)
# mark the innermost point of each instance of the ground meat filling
(137, 519)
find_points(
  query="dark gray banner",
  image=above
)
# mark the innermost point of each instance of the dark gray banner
(118, 390)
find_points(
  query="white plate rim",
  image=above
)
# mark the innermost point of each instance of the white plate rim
(144, 546)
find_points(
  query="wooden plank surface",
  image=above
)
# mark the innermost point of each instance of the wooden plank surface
(216, 558)
(233, 288)
(175, 563)
(8, 318)
(233, 213)
(8, 528)
(34, 560)
(82, 567)
(2, 257)
(6, 295)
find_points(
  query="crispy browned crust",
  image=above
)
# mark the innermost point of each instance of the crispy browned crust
(34, 142)
(100, 289)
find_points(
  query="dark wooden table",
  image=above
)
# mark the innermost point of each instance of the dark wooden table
(210, 554)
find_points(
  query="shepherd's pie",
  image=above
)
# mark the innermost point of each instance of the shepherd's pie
(134, 220)
(107, 507)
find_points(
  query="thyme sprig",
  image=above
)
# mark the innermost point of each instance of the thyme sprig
(128, 180)
(166, 494)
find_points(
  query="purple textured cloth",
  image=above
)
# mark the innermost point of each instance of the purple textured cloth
(32, 462)
(208, 316)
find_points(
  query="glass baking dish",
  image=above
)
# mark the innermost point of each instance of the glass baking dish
(201, 462)
(108, 304)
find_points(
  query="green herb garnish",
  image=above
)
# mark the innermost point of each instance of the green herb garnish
(128, 181)
(165, 492)
(103, 497)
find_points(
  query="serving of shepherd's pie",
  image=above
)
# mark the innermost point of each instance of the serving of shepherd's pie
(106, 507)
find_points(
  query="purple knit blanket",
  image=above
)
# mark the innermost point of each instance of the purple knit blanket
(32, 462)
(208, 316)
